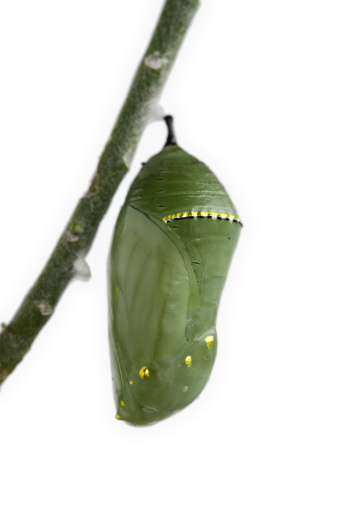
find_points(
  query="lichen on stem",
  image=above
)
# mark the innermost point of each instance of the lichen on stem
(39, 304)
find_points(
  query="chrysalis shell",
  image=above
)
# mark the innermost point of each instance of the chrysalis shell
(171, 251)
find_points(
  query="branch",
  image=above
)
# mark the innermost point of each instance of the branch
(77, 238)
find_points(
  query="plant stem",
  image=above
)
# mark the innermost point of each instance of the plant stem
(77, 238)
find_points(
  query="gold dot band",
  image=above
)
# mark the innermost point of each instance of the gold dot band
(202, 214)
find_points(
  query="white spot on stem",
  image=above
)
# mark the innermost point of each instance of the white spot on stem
(81, 269)
(156, 113)
(155, 61)
(45, 308)
(128, 156)
(70, 237)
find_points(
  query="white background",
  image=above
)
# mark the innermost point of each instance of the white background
(255, 96)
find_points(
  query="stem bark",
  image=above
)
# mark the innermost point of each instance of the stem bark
(39, 304)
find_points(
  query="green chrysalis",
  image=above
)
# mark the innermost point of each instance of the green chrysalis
(171, 251)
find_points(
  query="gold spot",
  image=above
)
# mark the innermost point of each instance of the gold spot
(131, 382)
(115, 293)
(144, 372)
(188, 361)
(122, 403)
(209, 340)
(117, 416)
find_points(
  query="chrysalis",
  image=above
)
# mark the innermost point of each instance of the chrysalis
(172, 247)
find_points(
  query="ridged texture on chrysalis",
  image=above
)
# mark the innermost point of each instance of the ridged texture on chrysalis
(172, 247)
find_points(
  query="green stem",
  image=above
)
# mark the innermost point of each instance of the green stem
(39, 304)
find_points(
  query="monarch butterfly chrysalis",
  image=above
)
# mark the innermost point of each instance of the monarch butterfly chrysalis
(172, 247)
